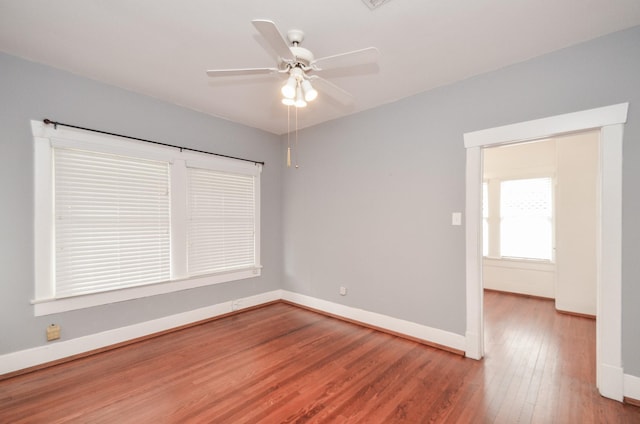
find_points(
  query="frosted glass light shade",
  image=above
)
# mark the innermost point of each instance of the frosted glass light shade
(289, 89)
(310, 93)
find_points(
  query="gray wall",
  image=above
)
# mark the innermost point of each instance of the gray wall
(370, 207)
(31, 91)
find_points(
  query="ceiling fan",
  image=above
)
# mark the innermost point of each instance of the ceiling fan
(301, 66)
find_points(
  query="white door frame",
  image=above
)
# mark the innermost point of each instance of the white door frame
(610, 120)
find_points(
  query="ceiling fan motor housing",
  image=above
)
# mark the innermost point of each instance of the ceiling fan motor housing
(302, 55)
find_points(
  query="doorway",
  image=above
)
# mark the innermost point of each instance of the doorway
(610, 122)
(540, 220)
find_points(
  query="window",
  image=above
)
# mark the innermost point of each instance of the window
(119, 219)
(518, 218)
(526, 218)
(111, 222)
(221, 221)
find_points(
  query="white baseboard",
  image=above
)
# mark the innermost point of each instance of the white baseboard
(473, 346)
(610, 382)
(57, 350)
(432, 335)
(632, 387)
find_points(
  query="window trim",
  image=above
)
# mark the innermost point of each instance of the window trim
(45, 138)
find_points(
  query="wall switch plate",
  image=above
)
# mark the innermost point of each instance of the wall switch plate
(456, 218)
(343, 291)
(53, 332)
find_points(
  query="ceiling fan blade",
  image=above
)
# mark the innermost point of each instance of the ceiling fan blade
(332, 90)
(272, 35)
(240, 72)
(356, 57)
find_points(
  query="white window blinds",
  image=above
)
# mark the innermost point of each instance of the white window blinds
(112, 222)
(221, 221)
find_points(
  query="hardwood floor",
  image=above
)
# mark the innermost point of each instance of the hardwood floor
(283, 364)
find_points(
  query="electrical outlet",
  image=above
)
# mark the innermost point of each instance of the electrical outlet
(53, 332)
(343, 291)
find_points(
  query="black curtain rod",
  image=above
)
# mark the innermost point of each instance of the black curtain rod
(56, 124)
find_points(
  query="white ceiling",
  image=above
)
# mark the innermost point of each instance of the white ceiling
(162, 48)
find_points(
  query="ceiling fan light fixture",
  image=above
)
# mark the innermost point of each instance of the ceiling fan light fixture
(289, 89)
(300, 102)
(310, 93)
(294, 61)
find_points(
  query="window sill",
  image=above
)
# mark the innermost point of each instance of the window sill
(532, 264)
(53, 306)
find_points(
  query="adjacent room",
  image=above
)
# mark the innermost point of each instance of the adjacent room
(365, 211)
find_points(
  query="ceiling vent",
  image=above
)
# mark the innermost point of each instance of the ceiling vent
(374, 3)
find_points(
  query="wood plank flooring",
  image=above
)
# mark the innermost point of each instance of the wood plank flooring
(283, 364)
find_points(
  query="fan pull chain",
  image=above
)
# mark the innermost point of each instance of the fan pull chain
(288, 137)
(296, 141)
